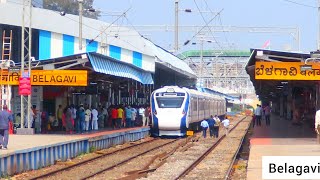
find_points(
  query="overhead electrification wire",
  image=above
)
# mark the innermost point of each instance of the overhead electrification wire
(301, 4)
(187, 42)
(207, 25)
(220, 22)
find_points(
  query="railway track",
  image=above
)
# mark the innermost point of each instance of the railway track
(217, 161)
(63, 172)
(194, 164)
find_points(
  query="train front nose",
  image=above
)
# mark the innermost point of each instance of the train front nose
(170, 120)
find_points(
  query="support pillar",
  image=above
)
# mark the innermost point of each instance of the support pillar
(281, 105)
(289, 103)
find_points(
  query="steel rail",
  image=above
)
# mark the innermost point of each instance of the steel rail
(126, 160)
(235, 155)
(87, 161)
(204, 155)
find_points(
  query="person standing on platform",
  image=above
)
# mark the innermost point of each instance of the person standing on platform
(105, 115)
(204, 124)
(114, 116)
(317, 125)
(216, 126)
(5, 118)
(82, 118)
(95, 114)
(128, 116)
(59, 117)
(74, 115)
(211, 123)
(69, 121)
(120, 117)
(267, 112)
(133, 116)
(141, 115)
(88, 118)
(44, 121)
(258, 114)
(147, 113)
(226, 123)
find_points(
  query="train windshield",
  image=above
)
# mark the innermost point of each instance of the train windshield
(172, 102)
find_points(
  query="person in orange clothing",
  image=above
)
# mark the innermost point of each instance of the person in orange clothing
(11, 131)
(114, 116)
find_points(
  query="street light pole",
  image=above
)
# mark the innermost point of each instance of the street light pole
(176, 38)
(80, 23)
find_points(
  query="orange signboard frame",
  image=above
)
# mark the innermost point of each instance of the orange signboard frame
(286, 71)
(48, 78)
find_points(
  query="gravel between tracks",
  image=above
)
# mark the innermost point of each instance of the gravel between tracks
(216, 164)
(102, 163)
(181, 160)
(136, 164)
(80, 158)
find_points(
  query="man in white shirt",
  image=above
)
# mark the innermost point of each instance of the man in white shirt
(94, 114)
(87, 118)
(317, 125)
(226, 123)
(258, 114)
(204, 124)
(141, 115)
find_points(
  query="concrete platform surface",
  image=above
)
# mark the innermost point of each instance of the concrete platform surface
(281, 138)
(25, 143)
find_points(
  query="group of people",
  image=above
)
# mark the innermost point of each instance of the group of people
(129, 116)
(83, 118)
(259, 113)
(213, 124)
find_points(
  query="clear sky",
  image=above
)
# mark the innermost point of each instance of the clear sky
(253, 13)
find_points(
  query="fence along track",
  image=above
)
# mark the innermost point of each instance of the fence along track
(88, 160)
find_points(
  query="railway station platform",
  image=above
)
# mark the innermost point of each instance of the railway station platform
(281, 138)
(27, 152)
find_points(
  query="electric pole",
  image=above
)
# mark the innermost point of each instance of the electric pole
(80, 23)
(26, 37)
(176, 37)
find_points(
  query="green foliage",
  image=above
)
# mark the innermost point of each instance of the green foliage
(5, 176)
(71, 7)
(92, 149)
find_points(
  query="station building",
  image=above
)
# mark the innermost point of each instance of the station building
(122, 66)
(288, 81)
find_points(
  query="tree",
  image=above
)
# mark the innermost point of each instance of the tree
(71, 7)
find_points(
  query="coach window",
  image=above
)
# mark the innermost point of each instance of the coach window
(201, 106)
(172, 102)
(195, 105)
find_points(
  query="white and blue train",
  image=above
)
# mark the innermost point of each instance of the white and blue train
(174, 110)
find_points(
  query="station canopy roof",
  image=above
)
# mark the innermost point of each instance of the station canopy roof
(95, 62)
(214, 92)
(127, 38)
(268, 89)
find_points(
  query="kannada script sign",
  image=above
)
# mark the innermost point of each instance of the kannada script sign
(286, 71)
(48, 77)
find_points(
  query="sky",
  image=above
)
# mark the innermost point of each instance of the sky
(301, 14)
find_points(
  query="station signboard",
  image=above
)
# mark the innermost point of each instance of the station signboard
(287, 71)
(48, 78)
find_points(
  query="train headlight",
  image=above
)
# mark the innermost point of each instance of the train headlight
(183, 112)
(155, 112)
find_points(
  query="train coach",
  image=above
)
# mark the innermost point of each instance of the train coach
(174, 110)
